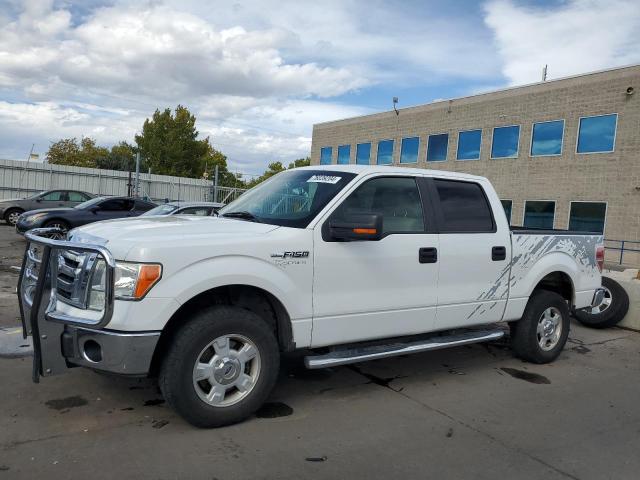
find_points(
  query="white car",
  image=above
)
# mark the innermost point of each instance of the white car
(350, 262)
(202, 209)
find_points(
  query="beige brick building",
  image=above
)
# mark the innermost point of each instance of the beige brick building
(580, 164)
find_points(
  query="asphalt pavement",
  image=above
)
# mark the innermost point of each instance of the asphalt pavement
(470, 412)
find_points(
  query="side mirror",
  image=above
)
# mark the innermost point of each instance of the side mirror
(94, 209)
(39, 199)
(356, 228)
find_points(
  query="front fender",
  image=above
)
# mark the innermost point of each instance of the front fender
(293, 292)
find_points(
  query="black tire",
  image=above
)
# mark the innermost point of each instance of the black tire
(64, 226)
(176, 374)
(9, 216)
(525, 339)
(608, 316)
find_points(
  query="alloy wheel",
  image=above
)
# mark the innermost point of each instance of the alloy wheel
(226, 370)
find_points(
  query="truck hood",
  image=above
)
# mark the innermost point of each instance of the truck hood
(119, 236)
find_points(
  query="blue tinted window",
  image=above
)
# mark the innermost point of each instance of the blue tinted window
(539, 214)
(344, 152)
(507, 205)
(546, 138)
(469, 145)
(363, 153)
(597, 134)
(409, 150)
(325, 155)
(385, 152)
(587, 216)
(437, 147)
(505, 142)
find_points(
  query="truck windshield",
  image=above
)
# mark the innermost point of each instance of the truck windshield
(291, 199)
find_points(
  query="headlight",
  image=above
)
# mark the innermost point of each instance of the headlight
(34, 218)
(132, 282)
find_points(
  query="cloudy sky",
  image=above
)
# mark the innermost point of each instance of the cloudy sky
(259, 74)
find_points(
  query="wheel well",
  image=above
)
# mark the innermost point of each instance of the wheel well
(558, 282)
(254, 299)
(57, 220)
(12, 209)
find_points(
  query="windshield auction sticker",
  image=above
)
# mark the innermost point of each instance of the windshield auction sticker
(324, 179)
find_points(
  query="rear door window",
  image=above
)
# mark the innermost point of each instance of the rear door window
(464, 208)
(78, 197)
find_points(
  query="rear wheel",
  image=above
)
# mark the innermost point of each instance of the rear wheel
(540, 335)
(611, 310)
(62, 226)
(221, 367)
(11, 216)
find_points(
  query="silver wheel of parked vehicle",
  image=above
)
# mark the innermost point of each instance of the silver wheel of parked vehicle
(226, 370)
(549, 328)
(61, 226)
(605, 304)
(12, 217)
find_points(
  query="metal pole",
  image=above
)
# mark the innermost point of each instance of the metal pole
(215, 185)
(137, 186)
(621, 251)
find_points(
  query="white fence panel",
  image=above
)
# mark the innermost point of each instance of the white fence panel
(21, 179)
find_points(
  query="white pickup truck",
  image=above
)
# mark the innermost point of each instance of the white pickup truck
(349, 263)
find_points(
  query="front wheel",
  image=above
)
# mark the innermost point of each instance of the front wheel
(540, 335)
(62, 226)
(11, 216)
(221, 367)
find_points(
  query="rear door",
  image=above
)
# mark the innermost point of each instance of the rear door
(474, 254)
(374, 289)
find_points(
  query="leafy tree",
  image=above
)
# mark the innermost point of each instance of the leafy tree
(301, 162)
(274, 168)
(170, 146)
(68, 152)
(121, 157)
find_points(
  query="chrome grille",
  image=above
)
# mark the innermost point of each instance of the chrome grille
(72, 276)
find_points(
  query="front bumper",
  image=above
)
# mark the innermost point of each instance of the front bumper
(123, 353)
(61, 339)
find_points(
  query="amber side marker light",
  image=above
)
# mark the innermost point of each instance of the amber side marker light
(149, 275)
(365, 231)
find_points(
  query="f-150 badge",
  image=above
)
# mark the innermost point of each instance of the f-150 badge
(290, 255)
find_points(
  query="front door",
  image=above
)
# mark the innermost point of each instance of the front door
(374, 289)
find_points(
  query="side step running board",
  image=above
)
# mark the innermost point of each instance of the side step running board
(355, 354)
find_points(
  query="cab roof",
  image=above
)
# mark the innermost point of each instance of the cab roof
(366, 169)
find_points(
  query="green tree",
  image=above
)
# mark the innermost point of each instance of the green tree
(274, 168)
(121, 157)
(170, 146)
(68, 152)
(301, 162)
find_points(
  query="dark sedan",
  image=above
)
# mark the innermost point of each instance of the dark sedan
(94, 210)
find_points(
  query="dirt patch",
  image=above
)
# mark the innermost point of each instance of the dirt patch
(66, 403)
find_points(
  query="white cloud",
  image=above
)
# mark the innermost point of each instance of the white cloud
(157, 52)
(576, 37)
